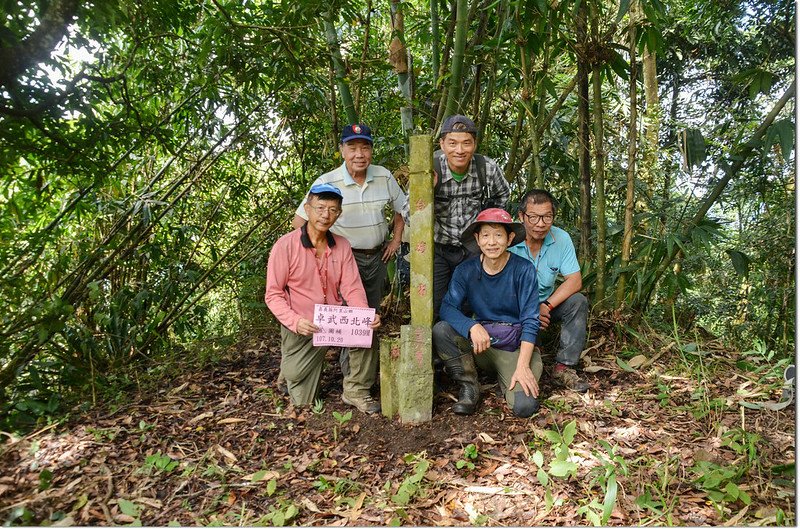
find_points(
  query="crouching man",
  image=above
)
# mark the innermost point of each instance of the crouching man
(552, 253)
(307, 266)
(503, 292)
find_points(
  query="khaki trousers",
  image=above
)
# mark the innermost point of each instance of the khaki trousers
(302, 365)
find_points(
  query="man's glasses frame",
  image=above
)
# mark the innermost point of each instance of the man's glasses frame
(332, 211)
(547, 218)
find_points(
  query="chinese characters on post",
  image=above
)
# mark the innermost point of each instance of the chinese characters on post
(343, 326)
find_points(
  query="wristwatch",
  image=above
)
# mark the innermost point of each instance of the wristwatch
(549, 306)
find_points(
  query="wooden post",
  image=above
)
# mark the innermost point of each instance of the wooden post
(420, 183)
(406, 369)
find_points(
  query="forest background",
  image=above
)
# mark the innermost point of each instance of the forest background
(151, 152)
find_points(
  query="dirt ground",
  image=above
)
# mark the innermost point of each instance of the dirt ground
(222, 445)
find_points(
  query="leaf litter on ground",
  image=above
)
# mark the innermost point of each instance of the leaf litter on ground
(223, 445)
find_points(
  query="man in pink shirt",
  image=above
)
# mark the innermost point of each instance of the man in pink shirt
(307, 266)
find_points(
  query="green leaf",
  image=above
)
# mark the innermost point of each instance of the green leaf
(291, 512)
(624, 5)
(541, 475)
(619, 65)
(45, 479)
(610, 498)
(607, 447)
(569, 432)
(83, 499)
(128, 507)
(694, 147)
(402, 497)
(750, 405)
(716, 495)
(624, 365)
(732, 490)
(741, 262)
(272, 486)
(782, 133)
(552, 436)
(690, 347)
(745, 497)
(561, 469)
(538, 458)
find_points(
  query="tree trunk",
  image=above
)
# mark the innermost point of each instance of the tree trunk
(435, 39)
(627, 234)
(398, 57)
(510, 169)
(458, 58)
(599, 177)
(448, 46)
(364, 54)
(652, 122)
(333, 133)
(340, 73)
(584, 154)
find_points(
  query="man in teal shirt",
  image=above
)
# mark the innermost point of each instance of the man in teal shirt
(552, 252)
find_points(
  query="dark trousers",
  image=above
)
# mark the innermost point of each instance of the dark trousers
(446, 258)
(572, 315)
(373, 276)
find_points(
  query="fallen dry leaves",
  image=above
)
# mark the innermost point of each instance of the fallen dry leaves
(222, 445)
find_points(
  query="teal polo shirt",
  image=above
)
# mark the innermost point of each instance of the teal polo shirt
(557, 256)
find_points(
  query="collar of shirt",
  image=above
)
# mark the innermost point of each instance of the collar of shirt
(549, 240)
(305, 240)
(448, 173)
(348, 180)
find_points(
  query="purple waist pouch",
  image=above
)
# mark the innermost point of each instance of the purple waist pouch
(505, 336)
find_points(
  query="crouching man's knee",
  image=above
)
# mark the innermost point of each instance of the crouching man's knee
(524, 405)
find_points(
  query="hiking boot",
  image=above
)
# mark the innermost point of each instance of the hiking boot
(566, 377)
(365, 404)
(462, 370)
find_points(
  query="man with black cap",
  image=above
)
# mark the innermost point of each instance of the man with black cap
(502, 290)
(465, 184)
(309, 266)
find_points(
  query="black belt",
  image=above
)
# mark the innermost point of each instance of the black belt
(371, 251)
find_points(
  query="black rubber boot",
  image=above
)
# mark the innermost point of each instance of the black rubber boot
(462, 370)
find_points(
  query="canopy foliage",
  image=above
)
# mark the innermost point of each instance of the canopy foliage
(151, 151)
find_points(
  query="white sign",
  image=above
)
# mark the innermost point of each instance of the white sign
(343, 326)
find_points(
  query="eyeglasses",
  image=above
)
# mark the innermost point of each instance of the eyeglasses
(321, 210)
(547, 218)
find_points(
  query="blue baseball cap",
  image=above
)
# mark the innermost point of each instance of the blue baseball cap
(325, 188)
(357, 131)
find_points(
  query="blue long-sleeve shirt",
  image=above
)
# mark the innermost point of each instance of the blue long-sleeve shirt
(511, 296)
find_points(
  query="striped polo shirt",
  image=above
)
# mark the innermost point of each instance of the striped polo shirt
(363, 221)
